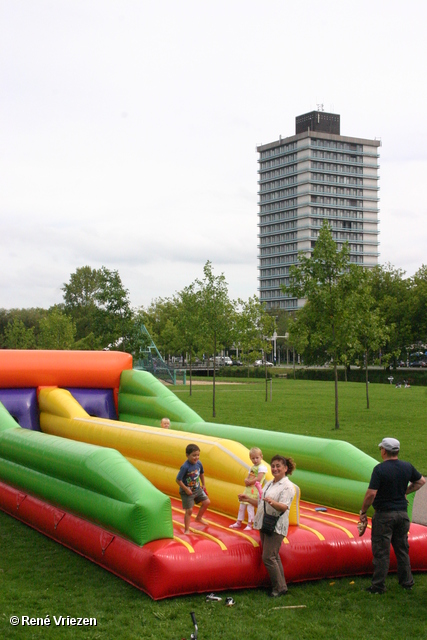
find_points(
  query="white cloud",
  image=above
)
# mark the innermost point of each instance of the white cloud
(129, 131)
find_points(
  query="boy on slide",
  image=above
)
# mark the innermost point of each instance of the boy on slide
(189, 477)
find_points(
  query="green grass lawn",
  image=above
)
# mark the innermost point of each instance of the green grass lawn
(40, 578)
(307, 408)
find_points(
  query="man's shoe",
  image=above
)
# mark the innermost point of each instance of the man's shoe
(277, 594)
(373, 589)
(407, 587)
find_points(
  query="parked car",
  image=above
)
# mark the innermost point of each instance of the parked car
(222, 360)
(236, 363)
(262, 363)
(418, 363)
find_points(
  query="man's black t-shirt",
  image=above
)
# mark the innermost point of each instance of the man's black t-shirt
(390, 479)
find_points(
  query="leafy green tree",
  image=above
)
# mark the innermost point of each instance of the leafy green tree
(158, 318)
(299, 328)
(29, 317)
(188, 323)
(254, 330)
(99, 304)
(18, 336)
(418, 305)
(217, 316)
(80, 299)
(114, 317)
(56, 331)
(321, 322)
(365, 325)
(283, 345)
(393, 295)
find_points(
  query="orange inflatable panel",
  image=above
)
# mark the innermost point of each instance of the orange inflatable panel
(99, 369)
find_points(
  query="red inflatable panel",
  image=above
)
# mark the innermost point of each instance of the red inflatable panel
(213, 557)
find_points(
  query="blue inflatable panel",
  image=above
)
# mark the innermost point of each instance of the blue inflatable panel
(22, 406)
(98, 403)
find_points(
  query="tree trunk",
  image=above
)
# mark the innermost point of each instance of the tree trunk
(293, 360)
(191, 378)
(213, 386)
(367, 380)
(337, 424)
(266, 392)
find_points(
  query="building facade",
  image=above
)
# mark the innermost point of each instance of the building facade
(315, 175)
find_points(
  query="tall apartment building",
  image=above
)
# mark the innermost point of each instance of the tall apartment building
(315, 175)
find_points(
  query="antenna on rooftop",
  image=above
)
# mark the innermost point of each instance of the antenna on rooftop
(320, 107)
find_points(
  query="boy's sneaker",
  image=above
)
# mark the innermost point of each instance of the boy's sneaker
(248, 527)
(236, 525)
(212, 598)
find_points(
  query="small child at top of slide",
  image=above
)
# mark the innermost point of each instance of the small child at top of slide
(253, 484)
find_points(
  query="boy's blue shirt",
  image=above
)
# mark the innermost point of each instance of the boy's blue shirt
(190, 474)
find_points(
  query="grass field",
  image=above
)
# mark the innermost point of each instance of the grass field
(307, 408)
(39, 578)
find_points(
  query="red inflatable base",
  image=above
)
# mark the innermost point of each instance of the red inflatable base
(213, 557)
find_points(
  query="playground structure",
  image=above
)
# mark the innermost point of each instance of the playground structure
(84, 461)
(150, 359)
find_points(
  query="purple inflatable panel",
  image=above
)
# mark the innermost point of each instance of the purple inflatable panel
(22, 406)
(98, 403)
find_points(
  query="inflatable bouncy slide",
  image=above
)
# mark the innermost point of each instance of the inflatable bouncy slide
(84, 461)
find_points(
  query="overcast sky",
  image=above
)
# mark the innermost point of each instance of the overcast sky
(129, 131)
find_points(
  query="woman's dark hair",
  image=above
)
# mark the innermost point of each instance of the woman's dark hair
(190, 448)
(288, 462)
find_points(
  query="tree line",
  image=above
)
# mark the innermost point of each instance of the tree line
(199, 322)
(353, 315)
(350, 316)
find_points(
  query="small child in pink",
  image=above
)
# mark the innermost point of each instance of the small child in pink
(253, 489)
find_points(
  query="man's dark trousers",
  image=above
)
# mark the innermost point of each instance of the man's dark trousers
(390, 527)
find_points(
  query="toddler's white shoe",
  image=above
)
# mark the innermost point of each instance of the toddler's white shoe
(236, 525)
(212, 598)
(248, 527)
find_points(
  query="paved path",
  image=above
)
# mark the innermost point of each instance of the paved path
(419, 512)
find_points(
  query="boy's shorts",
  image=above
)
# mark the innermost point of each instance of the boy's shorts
(188, 501)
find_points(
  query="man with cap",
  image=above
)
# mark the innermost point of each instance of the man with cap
(391, 481)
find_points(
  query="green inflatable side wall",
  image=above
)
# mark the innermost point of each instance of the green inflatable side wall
(329, 472)
(145, 400)
(96, 483)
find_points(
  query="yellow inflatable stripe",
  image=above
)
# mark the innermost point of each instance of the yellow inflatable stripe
(185, 543)
(157, 453)
(203, 534)
(332, 524)
(316, 533)
(220, 526)
(210, 537)
(335, 515)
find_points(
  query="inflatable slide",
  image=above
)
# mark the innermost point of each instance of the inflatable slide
(84, 461)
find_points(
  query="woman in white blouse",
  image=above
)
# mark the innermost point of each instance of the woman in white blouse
(278, 495)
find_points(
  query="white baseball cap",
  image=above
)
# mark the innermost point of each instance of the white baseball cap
(390, 444)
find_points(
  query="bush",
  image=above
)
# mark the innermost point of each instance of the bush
(233, 372)
(379, 376)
